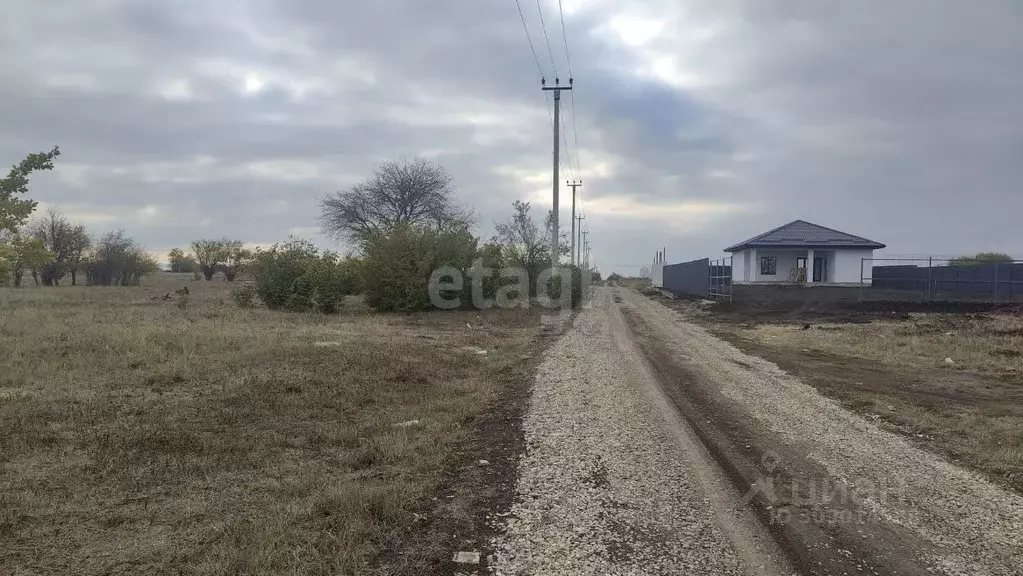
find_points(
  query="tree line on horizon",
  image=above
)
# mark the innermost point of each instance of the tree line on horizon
(49, 247)
(403, 221)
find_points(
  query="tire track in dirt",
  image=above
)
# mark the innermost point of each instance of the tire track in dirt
(612, 481)
(847, 496)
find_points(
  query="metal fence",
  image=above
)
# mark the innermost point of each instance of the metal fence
(688, 278)
(721, 279)
(940, 279)
(703, 278)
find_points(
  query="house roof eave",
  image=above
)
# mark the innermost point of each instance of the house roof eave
(742, 247)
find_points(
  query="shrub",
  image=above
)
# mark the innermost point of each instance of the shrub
(275, 271)
(300, 297)
(118, 260)
(982, 258)
(491, 256)
(400, 261)
(243, 296)
(293, 276)
(329, 281)
(554, 286)
(351, 271)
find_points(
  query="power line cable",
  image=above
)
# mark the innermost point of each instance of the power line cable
(543, 27)
(536, 59)
(529, 39)
(568, 157)
(575, 132)
(564, 36)
(568, 59)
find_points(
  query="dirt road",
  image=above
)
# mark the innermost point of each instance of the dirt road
(655, 448)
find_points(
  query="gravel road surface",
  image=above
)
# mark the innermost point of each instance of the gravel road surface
(614, 481)
(970, 526)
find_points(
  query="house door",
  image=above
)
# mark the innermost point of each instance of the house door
(801, 269)
(820, 269)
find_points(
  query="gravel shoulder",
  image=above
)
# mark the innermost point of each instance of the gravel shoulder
(612, 480)
(926, 515)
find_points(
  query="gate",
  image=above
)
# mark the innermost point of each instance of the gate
(721, 279)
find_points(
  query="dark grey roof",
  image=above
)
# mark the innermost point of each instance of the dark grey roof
(803, 234)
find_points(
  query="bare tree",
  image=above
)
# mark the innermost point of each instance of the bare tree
(81, 243)
(211, 255)
(526, 243)
(118, 260)
(236, 259)
(67, 241)
(404, 191)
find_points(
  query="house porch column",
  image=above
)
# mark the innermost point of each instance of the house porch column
(809, 266)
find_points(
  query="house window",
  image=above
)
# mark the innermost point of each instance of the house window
(768, 265)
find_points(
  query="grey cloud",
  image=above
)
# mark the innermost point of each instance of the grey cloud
(892, 120)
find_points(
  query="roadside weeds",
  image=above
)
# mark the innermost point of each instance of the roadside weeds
(140, 437)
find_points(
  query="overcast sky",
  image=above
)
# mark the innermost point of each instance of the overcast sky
(700, 122)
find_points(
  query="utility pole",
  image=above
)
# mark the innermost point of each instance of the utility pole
(586, 249)
(579, 238)
(574, 185)
(557, 88)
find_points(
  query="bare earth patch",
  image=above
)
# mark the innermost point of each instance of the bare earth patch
(885, 504)
(969, 410)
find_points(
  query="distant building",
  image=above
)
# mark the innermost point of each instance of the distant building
(802, 252)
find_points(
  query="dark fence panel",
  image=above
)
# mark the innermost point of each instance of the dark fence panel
(688, 278)
(936, 280)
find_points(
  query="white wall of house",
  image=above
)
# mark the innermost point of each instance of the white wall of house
(847, 265)
(843, 264)
(742, 266)
(786, 261)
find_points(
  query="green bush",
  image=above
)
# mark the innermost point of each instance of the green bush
(554, 286)
(300, 295)
(351, 271)
(327, 281)
(276, 269)
(293, 276)
(492, 256)
(400, 261)
(243, 296)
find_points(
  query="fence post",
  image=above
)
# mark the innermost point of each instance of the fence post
(731, 284)
(861, 278)
(995, 283)
(973, 278)
(930, 263)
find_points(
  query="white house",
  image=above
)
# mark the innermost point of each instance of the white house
(803, 252)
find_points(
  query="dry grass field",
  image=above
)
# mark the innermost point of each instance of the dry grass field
(895, 372)
(984, 344)
(144, 436)
(970, 410)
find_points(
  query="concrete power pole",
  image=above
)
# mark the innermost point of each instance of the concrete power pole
(555, 229)
(586, 248)
(574, 185)
(579, 238)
